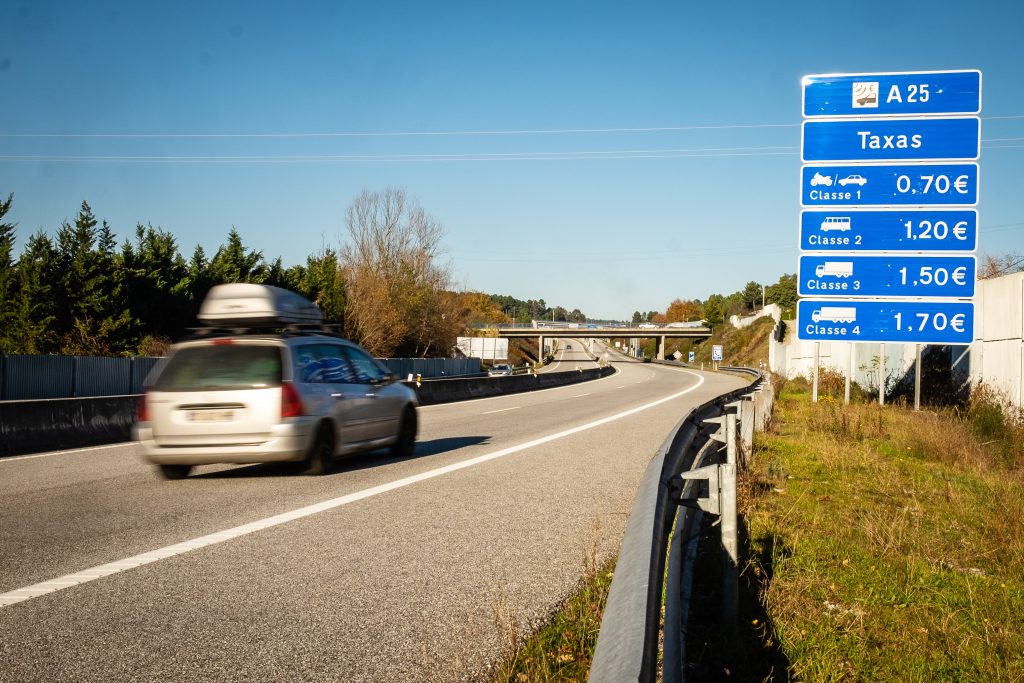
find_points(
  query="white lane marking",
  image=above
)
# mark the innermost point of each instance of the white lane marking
(71, 451)
(60, 583)
(581, 395)
(500, 410)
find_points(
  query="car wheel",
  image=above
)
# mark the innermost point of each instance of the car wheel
(405, 445)
(175, 471)
(321, 455)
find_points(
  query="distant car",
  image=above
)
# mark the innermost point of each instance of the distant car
(499, 370)
(243, 391)
(568, 347)
(819, 179)
(853, 180)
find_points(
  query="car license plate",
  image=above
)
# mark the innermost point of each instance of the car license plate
(211, 415)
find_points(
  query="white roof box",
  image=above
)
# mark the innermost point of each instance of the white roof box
(249, 305)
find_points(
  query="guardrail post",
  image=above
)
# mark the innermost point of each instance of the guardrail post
(730, 540)
(747, 417)
(730, 436)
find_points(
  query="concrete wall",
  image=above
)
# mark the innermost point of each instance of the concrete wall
(772, 310)
(997, 355)
(795, 358)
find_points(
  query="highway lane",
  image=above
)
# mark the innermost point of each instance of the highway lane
(396, 583)
(570, 354)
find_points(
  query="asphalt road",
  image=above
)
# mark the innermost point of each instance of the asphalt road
(571, 354)
(397, 575)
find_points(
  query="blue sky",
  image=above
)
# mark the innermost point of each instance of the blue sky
(603, 156)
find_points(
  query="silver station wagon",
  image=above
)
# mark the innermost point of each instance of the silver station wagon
(262, 382)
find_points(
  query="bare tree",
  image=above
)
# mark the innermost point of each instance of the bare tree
(990, 266)
(398, 297)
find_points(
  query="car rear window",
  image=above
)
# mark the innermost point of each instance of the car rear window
(229, 366)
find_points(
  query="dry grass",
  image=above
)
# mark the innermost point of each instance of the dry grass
(894, 541)
(562, 649)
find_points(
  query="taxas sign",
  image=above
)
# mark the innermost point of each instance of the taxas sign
(892, 139)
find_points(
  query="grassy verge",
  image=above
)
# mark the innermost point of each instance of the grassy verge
(561, 650)
(884, 544)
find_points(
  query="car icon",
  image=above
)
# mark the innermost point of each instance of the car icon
(819, 179)
(853, 180)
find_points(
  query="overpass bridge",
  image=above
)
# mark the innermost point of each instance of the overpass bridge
(583, 331)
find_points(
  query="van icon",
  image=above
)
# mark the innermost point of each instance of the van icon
(835, 269)
(840, 223)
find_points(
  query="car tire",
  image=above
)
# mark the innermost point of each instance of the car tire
(174, 472)
(405, 444)
(321, 455)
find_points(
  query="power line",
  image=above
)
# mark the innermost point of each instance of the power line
(578, 155)
(465, 133)
(353, 134)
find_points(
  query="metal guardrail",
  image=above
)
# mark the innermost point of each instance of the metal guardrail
(693, 471)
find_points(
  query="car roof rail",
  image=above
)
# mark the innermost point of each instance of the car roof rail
(291, 330)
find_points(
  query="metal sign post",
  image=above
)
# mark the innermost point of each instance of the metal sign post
(817, 363)
(881, 375)
(917, 377)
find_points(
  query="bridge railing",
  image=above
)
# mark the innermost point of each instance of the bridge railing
(693, 472)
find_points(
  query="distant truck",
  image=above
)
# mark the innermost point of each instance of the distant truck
(835, 268)
(835, 314)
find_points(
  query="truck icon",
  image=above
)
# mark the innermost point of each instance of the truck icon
(835, 269)
(835, 314)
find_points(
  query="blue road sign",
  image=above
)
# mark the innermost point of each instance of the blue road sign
(898, 139)
(913, 93)
(692, 355)
(889, 275)
(909, 322)
(890, 184)
(923, 230)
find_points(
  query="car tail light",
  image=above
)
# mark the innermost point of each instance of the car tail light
(291, 404)
(142, 408)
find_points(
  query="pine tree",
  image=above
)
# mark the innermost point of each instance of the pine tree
(34, 310)
(233, 263)
(155, 283)
(8, 273)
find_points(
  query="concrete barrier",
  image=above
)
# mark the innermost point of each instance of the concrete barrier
(55, 424)
(436, 391)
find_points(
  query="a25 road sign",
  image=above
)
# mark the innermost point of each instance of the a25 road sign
(923, 230)
(890, 185)
(912, 93)
(888, 275)
(909, 322)
(892, 139)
